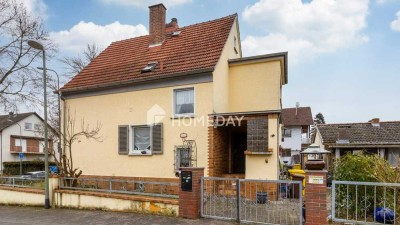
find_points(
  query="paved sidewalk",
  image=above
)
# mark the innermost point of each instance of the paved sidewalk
(11, 215)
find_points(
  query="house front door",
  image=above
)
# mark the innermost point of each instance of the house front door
(239, 145)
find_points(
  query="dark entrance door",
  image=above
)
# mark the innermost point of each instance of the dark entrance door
(239, 145)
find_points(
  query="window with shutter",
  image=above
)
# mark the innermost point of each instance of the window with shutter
(157, 138)
(123, 139)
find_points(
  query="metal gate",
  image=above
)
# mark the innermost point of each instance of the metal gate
(365, 202)
(252, 201)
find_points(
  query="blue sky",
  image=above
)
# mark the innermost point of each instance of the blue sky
(344, 55)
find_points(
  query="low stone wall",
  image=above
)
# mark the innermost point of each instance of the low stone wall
(116, 202)
(21, 196)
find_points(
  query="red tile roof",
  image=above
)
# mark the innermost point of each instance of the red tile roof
(302, 118)
(197, 47)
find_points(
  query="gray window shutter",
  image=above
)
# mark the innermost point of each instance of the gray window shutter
(123, 139)
(157, 137)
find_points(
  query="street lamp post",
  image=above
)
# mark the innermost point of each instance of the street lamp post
(59, 108)
(37, 45)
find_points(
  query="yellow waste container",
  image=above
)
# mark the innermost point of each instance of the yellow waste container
(297, 174)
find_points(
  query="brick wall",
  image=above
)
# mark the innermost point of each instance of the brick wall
(218, 151)
(189, 201)
(315, 199)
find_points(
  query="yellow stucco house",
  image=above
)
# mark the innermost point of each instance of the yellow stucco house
(180, 96)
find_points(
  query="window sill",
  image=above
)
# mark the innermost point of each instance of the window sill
(140, 154)
(183, 116)
(247, 152)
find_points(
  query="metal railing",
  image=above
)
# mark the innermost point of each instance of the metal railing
(365, 202)
(37, 183)
(252, 201)
(133, 187)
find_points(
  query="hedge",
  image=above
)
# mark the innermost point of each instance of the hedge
(12, 168)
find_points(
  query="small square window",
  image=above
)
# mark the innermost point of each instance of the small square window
(184, 101)
(287, 132)
(150, 67)
(141, 137)
(28, 126)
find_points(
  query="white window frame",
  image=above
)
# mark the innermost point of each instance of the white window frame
(177, 115)
(29, 128)
(132, 150)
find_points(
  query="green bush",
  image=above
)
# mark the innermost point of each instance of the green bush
(13, 168)
(355, 167)
(365, 168)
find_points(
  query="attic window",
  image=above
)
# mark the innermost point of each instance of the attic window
(176, 33)
(150, 67)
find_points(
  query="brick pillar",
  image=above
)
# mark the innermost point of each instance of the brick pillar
(315, 197)
(189, 201)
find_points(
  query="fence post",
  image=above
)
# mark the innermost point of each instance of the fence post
(54, 183)
(238, 200)
(315, 197)
(190, 192)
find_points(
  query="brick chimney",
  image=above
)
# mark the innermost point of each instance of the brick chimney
(172, 26)
(157, 24)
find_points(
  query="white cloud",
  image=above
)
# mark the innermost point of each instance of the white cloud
(35, 7)
(305, 29)
(146, 3)
(395, 25)
(75, 39)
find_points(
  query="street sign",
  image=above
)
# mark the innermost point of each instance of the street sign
(21, 155)
(53, 169)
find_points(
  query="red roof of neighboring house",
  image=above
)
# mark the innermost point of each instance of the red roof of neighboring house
(303, 116)
(197, 48)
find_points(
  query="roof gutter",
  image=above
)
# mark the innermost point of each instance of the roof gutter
(125, 83)
(366, 146)
(246, 113)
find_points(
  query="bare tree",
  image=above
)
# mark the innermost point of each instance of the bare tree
(75, 65)
(19, 81)
(64, 159)
(73, 135)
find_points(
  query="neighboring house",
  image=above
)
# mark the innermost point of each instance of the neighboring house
(150, 92)
(375, 137)
(21, 133)
(296, 132)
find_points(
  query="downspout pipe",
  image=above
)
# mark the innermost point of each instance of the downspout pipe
(64, 127)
